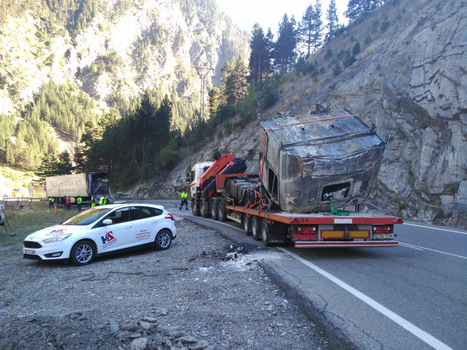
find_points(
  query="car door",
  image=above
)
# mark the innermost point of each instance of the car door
(119, 234)
(145, 223)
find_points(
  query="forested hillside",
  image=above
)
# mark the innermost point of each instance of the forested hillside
(65, 64)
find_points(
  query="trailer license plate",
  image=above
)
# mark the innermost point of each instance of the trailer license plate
(383, 236)
(29, 251)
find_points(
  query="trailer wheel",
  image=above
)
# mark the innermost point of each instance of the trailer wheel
(221, 214)
(194, 208)
(203, 208)
(213, 205)
(246, 224)
(266, 232)
(256, 228)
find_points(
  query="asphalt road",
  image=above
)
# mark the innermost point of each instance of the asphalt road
(413, 296)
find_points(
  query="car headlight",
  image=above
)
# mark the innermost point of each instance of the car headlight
(57, 238)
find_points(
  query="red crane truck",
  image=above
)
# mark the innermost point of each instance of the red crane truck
(308, 169)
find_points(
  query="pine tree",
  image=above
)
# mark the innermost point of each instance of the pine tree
(306, 29)
(10, 155)
(240, 79)
(163, 119)
(260, 61)
(64, 165)
(284, 47)
(48, 166)
(317, 26)
(333, 20)
(234, 81)
(214, 101)
(227, 80)
(144, 127)
(357, 7)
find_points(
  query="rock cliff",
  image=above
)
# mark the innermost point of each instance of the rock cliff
(409, 79)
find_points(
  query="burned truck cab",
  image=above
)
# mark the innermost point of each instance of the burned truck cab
(330, 157)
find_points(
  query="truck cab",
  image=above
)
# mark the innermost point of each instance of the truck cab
(194, 177)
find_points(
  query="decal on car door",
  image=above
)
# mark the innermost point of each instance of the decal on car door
(108, 239)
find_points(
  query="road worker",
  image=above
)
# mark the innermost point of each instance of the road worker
(184, 200)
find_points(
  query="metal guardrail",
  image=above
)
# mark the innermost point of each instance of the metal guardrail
(21, 201)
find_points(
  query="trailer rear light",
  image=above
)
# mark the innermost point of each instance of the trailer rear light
(306, 229)
(383, 229)
(305, 233)
(169, 216)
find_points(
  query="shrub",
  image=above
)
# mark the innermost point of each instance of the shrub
(348, 60)
(356, 48)
(385, 25)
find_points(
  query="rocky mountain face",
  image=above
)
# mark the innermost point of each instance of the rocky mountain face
(125, 48)
(409, 80)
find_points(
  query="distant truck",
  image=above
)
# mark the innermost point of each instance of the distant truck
(84, 185)
(308, 170)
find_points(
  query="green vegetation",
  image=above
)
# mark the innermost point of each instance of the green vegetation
(357, 7)
(333, 20)
(15, 179)
(311, 27)
(63, 107)
(33, 217)
(52, 166)
(128, 147)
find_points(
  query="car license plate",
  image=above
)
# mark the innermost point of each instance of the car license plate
(383, 236)
(29, 251)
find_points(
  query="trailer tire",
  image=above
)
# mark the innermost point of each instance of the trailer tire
(221, 214)
(256, 228)
(246, 221)
(194, 208)
(213, 207)
(203, 208)
(266, 232)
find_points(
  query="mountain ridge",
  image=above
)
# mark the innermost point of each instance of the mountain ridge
(123, 49)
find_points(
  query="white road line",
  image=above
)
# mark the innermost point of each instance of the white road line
(410, 246)
(432, 250)
(422, 335)
(436, 228)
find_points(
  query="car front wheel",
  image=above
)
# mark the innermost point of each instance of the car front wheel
(83, 253)
(163, 239)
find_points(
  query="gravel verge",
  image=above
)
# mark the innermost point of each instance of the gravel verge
(202, 293)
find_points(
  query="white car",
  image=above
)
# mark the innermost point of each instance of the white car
(102, 230)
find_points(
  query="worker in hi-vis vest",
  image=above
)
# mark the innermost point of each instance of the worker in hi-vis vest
(184, 200)
(79, 202)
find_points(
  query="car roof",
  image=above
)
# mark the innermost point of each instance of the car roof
(124, 205)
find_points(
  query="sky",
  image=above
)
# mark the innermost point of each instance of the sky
(268, 13)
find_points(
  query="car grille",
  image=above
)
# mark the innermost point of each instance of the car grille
(34, 245)
(31, 257)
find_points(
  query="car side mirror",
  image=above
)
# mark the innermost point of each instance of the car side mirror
(107, 222)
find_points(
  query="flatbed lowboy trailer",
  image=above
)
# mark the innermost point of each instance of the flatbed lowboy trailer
(316, 230)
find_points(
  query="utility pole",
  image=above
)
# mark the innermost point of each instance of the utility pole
(203, 73)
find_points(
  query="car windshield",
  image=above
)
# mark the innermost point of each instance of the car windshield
(87, 217)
